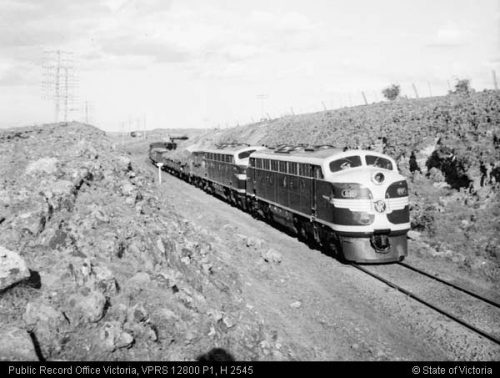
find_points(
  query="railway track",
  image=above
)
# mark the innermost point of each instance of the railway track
(478, 314)
(475, 295)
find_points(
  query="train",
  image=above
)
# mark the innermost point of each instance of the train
(353, 204)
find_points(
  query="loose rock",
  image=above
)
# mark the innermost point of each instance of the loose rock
(13, 268)
(272, 256)
(88, 306)
(44, 165)
(16, 345)
(113, 337)
(47, 324)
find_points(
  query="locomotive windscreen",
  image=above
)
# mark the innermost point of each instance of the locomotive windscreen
(377, 161)
(345, 163)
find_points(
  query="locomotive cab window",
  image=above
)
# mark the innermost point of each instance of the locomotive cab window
(345, 163)
(379, 162)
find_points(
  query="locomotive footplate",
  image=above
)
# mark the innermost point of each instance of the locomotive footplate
(375, 248)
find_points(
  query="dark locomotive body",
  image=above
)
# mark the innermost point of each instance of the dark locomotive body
(306, 190)
(352, 203)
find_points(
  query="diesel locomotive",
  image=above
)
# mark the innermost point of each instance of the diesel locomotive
(353, 203)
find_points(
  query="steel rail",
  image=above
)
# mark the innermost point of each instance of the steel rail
(430, 305)
(472, 294)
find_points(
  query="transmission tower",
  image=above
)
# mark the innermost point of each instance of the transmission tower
(60, 82)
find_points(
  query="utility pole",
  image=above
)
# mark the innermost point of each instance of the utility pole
(415, 90)
(364, 97)
(86, 112)
(495, 83)
(59, 83)
(430, 89)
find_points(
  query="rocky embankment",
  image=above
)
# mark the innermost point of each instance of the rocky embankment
(93, 266)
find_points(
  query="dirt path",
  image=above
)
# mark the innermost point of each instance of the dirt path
(319, 308)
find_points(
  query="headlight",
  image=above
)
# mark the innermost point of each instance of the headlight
(378, 178)
(397, 189)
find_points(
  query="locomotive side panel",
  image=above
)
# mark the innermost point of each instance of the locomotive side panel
(281, 189)
(323, 194)
(305, 194)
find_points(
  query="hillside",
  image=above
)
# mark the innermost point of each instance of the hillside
(457, 144)
(96, 266)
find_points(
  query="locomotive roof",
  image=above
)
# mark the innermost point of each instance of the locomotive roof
(318, 154)
(312, 155)
(230, 149)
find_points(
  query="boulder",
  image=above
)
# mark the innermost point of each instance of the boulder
(45, 165)
(47, 324)
(414, 235)
(96, 277)
(140, 279)
(124, 163)
(137, 314)
(114, 337)
(85, 149)
(60, 194)
(128, 190)
(103, 280)
(271, 256)
(256, 243)
(16, 345)
(13, 268)
(89, 306)
(31, 216)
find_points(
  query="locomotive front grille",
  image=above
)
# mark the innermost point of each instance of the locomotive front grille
(397, 203)
(353, 204)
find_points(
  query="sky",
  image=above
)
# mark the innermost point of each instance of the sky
(220, 63)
